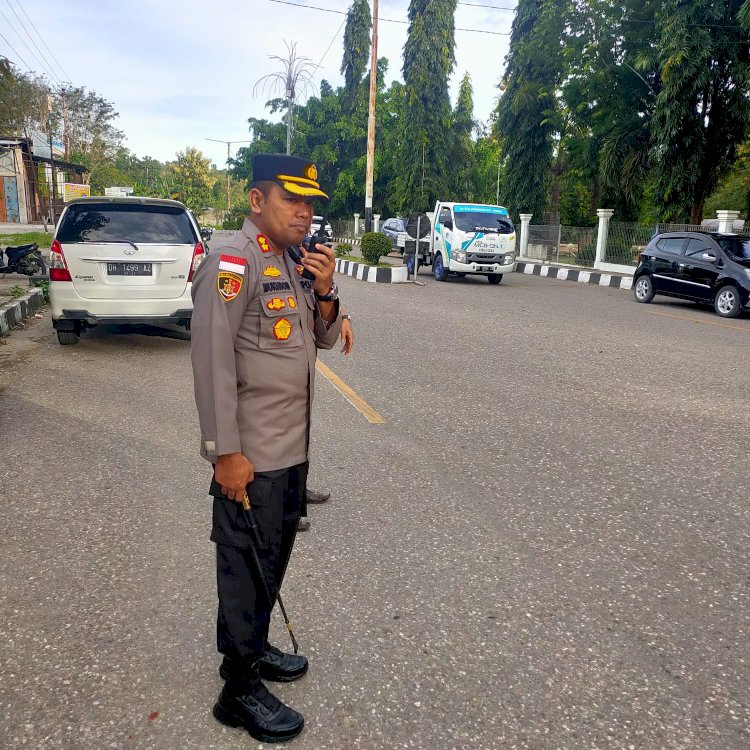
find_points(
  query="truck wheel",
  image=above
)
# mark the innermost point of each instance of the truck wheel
(68, 338)
(409, 261)
(494, 278)
(438, 269)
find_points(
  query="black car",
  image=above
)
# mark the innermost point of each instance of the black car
(707, 268)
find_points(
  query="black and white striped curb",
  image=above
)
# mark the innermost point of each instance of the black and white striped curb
(12, 313)
(363, 272)
(599, 278)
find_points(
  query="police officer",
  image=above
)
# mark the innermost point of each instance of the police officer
(256, 325)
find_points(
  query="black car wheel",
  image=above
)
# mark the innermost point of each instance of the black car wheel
(727, 302)
(67, 338)
(494, 278)
(644, 289)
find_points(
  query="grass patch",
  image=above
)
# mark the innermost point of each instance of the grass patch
(362, 261)
(17, 291)
(43, 239)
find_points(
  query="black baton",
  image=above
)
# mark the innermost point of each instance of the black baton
(250, 518)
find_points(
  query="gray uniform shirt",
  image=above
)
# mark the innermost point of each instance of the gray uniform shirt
(255, 333)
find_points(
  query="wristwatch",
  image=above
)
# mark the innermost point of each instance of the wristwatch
(346, 316)
(332, 296)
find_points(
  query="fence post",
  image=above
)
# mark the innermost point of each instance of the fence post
(376, 222)
(356, 226)
(604, 214)
(726, 221)
(524, 244)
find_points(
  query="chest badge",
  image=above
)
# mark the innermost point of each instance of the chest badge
(276, 304)
(263, 243)
(229, 285)
(291, 302)
(282, 329)
(271, 271)
(299, 270)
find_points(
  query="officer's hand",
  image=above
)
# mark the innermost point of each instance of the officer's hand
(347, 336)
(234, 472)
(322, 264)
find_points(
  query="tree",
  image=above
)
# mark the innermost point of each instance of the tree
(356, 48)
(425, 119)
(528, 108)
(293, 80)
(463, 126)
(701, 112)
(190, 179)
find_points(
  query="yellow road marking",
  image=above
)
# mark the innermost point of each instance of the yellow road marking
(704, 322)
(350, 395)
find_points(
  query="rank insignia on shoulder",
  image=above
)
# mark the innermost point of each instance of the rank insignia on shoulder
(276, 304)
(232, 263)
(291, 302)
(282, 329)
(299, 269)
(271, 271)
(263, 242)
(229, 285)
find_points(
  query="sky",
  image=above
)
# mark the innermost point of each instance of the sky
(181, 71)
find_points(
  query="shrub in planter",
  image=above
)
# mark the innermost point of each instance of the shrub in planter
(373, 246)
(342, 249)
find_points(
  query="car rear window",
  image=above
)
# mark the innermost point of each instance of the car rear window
(126, 222)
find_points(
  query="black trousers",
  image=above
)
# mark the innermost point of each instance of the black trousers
(277, 499)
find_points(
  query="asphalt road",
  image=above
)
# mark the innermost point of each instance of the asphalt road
(544, 546)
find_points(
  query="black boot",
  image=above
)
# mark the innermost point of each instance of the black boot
(275, 666)
(246, 702)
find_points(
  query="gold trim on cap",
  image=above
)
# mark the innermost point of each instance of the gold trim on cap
(290, 178)
(295, 189)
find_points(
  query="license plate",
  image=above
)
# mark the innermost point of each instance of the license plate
(129, 269)
(485, 268)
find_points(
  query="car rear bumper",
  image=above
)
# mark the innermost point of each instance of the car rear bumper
(68, 305)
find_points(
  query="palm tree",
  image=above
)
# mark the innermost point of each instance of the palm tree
(293, 80)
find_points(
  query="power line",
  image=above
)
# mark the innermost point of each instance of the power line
(31, 51)
(26, 31)
(41, 38)
(494, 7)
(330, 45)
(387, 20)
(25, 64)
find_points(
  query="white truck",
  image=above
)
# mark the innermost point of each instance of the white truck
(464, 238)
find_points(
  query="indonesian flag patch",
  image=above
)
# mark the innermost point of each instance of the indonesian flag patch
(232, 263)
(229, 285)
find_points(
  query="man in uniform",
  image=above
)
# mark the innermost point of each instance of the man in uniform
(255, 328)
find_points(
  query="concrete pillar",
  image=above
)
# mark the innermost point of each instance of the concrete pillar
(376, 222)
(524, 243)
(604, 214)
(356, 226)
(726, 221)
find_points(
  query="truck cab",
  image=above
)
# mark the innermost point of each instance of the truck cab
(472, 238)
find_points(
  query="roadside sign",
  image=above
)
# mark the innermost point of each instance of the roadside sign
(118, 192)
(72, 190)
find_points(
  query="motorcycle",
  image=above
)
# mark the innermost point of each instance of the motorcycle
(24, 259)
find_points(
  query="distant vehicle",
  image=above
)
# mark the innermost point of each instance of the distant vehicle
(395, 229)
(122, 260)
(712, 269)
(466, 238)
(316, 222)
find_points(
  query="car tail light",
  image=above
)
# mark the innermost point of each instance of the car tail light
(198, 252)
(58, 268)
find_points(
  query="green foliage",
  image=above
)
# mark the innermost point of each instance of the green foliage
(426, 140)
(356, 48)
(17, 291)
(528, 110)
(191, 179)
(43, 239)
(342, 249)
(373, 246)
(42, 284)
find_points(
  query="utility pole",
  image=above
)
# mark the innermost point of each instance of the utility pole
(371, 119)
(229, 156)
(53, 199)
(63, 93)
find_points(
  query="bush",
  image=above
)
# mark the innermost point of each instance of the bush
(373, 246)
(342, 249)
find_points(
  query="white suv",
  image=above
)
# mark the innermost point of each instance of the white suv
(122, 260)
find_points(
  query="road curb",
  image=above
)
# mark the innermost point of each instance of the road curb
(363, 272)
(618, 281)
(13, 313)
